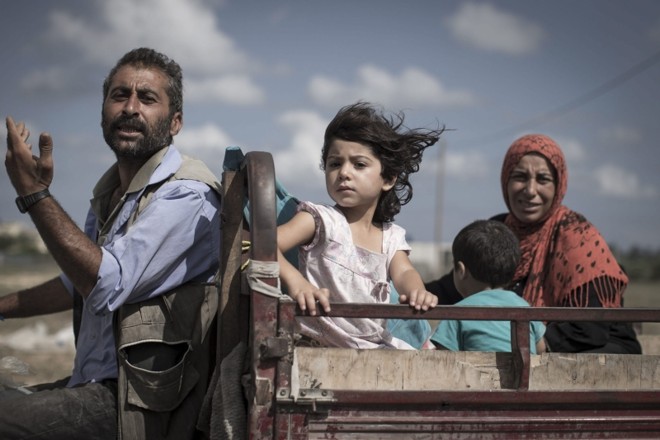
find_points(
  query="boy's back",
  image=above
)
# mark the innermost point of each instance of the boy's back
(486, 254)
(484, 335)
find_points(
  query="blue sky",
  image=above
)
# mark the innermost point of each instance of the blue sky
(270, 76)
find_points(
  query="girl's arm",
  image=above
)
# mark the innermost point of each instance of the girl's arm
(298, 231)
(409, 284)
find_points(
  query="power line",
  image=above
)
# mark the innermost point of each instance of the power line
(577, 102)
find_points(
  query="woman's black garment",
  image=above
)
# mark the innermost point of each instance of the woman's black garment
(445, 290)
(563, 337)
(589, 337)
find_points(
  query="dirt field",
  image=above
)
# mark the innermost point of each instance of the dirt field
(37, 350)
(33, 350)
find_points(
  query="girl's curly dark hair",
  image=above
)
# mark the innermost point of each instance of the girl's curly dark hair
(398, 148)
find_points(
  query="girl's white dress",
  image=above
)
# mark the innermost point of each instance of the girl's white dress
(352, 275)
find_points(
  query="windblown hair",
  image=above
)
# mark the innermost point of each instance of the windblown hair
(398, 148)
(148, 58)
(489, 250)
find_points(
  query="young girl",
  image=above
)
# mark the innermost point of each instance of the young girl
(350, 251)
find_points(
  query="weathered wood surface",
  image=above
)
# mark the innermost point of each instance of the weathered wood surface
(334, 368)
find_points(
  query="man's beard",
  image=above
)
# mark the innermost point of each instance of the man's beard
(154, 137)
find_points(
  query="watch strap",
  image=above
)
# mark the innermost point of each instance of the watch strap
(24, 203)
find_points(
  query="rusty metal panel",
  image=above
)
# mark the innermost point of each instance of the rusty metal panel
(610, 400)
(260, 181)
(496, 313)
(455, 424)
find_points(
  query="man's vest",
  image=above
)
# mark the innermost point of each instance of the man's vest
(165, 347)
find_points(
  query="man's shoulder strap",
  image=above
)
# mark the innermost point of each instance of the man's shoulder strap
(195, 169)
(190, 169)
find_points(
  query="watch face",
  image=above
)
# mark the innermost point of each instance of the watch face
(21, 205)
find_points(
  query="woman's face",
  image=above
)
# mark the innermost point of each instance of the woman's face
(531, 188)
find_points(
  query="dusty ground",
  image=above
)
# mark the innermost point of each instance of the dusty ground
(37, 350)
(34, 350)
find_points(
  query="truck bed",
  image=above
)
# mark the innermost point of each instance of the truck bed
(294, 392)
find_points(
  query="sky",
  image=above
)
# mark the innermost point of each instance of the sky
(270, 75)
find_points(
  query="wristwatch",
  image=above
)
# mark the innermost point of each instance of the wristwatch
(24, 203)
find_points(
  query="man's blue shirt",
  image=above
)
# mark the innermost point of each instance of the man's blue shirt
(174, 240)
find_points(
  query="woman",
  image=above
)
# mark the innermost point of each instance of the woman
(565, 261)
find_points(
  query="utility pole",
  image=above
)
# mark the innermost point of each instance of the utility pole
(439, 201)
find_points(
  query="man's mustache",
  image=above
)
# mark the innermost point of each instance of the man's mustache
(128, 122)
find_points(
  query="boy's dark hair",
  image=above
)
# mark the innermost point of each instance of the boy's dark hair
(144, 57)
(399, 149)
(489, 250)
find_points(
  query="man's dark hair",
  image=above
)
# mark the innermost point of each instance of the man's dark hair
(489, 250)
(144, 57)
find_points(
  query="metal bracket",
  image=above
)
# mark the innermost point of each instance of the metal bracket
(274, 348)
(306, 397)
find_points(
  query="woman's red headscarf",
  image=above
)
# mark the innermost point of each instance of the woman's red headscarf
(561, 253)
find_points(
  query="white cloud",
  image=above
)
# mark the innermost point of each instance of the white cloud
(186, 31)
(616, 181)
(484, 27)
(573, 150)
(302, 158)
(203, 141)
(467, 165)
(230, 89)
(412, 88)
(621, 134)
(51, 79)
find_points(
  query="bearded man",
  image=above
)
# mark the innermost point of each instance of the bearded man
(137, 277)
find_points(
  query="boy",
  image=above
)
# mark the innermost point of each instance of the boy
(486, 254)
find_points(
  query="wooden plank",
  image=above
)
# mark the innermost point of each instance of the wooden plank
(557, 371)
(346, 369)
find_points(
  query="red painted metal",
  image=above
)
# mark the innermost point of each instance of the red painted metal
(502, 313)
(483, 424)
(263, 310)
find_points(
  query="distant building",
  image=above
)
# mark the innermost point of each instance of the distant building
(432, 260)
(16, 238)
